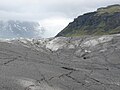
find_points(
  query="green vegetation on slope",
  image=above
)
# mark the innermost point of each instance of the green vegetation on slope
(103, 21)
(110, 9)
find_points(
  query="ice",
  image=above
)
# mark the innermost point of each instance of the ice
(96, 41)
(56, 44)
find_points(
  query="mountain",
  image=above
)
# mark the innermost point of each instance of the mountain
(17, 29)
(105, 20)
(61, 63)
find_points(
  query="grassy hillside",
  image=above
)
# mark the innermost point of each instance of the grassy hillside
(104, 21)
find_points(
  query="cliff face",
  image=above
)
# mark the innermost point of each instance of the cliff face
(103, 21)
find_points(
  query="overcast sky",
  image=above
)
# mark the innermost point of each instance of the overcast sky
(53, 15)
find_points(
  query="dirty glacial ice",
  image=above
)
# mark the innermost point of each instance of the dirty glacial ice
(61, 63)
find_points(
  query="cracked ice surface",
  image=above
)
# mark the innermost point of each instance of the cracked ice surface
(33, 84)
(96, 41)
(74, 63)
(55, 44)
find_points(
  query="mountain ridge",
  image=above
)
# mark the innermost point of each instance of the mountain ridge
(104, 21)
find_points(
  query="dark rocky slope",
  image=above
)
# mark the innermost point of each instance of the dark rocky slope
(103, 21)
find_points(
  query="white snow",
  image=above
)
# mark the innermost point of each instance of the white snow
(25, 29)
(10, 28)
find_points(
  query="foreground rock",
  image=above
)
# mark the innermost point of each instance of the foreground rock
(79, 63)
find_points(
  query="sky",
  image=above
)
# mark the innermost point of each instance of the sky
(53, 15)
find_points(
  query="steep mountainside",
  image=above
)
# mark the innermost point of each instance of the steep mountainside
(103, 21)
(16, 29)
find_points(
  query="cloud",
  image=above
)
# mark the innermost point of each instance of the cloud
(54, 25)
(46, 10)
(42, 9)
